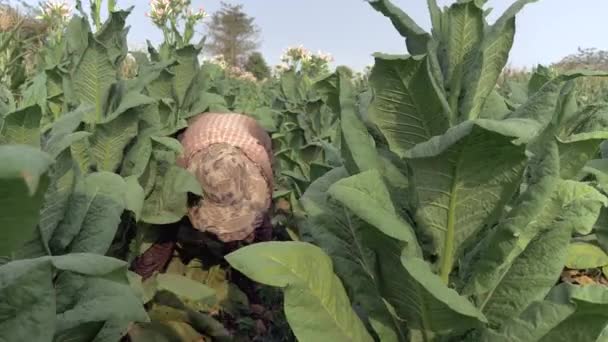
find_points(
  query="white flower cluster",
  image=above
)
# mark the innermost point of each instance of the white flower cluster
(301, 54)
(325, 57)
(161, 11)
(55, 10)
(233, 71)
(294, 54)
(218, 60)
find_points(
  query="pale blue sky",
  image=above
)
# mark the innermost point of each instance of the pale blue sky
(351, 30)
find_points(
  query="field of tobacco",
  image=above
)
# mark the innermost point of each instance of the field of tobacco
(413, 203)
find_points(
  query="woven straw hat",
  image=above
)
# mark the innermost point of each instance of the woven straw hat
(230, 155)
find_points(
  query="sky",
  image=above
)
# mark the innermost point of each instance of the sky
(352, 31)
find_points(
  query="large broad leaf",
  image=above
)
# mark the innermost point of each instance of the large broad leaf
(406, 107)
(460, 184)
(114, 36)
(62, 134)
(36, 93)
(337, 230)
(583, 255)
(22, 186)
(97, 201)
(109, 140)
(30, 298)
(569, 313)
(481, 75)
(515, 231)
(93, 78)
(430, 306)
(135, 196)
(27, 301)
(184, 287)
(316, 304)
(111, 297)
(185, 71)
(465, 26)
(358, 147)
(168, 201)
(367, 196)
(57, 198)
(77, 37)
(532, 244)
(416, 37)
(580, 138)
(22, 127)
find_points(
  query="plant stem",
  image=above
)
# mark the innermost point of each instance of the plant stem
(448, 250)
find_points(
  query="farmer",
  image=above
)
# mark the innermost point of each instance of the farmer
(230, 155)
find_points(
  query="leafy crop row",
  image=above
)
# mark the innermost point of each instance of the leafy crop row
(421, 204)
(455, 223)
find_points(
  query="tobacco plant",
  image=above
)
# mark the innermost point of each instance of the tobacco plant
(455, 222)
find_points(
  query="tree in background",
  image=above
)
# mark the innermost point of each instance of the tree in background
(257, 66)
(232, 34)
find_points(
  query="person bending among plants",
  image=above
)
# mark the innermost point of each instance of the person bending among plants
(231, 157)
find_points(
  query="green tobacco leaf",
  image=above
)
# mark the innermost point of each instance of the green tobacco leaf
(516, 230)
(22, 186)
(334, 229)
(138, 156)
(36, 93)
(367, 196)
(580, 138)
(583, 255)
(168, 201)
(113, 36)
(161, 87)
(185, 71)
(454, 173)
(27, 301)
(495, 107)
(80, 150)
(87, 264)
(93, 78)
(61, 129)
(542, 106)
(406, 106)
(57, 197)
(22, 127)
(358, 147)
(97, 201)
(534, 245)
(569, 313)
(465, 26)
(135, 196)
(115, 303)
(110, 139)
(316, 304)
(184, 287)
(129, 101)
(430, 306)
(77, 37)
(416, 37)
(482, 74)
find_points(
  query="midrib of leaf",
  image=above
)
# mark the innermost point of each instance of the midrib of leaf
(455, 81)
(424, 315)
(448, 249)
(302, 281)
(364, 264)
